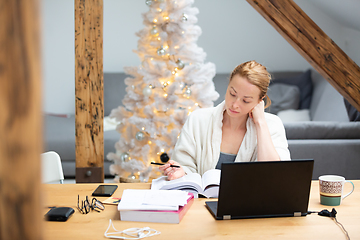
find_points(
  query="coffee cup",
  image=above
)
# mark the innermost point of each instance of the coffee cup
(331, 189)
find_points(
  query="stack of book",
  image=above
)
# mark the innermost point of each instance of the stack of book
(161, 206)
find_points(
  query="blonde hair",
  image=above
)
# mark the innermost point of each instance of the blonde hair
(257, 75)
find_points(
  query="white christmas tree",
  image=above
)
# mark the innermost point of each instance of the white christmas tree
(171, 82)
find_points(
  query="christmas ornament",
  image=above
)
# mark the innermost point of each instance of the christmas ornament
(140, 136)
(184, 17)
(148, 2)
(164, 157)
(124, 157)
(161, 51)
(180, 64)
(132, 176)
(147, 91)
(187, 92)
(154, 32)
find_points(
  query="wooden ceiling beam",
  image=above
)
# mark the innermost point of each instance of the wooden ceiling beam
(314, 45)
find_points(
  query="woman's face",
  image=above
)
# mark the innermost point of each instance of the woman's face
(241, 97)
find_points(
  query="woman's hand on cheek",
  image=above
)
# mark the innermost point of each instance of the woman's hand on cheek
(258, 112)
(172, 172)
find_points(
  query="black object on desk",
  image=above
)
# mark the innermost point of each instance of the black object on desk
(60, 214)
(104, 190)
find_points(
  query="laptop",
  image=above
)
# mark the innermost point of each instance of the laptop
(263, 189)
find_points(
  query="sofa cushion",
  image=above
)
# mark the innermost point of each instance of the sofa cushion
(353, 113)
(283, 97)
(327, 103)
(304, 83)
(332, 156)
(292, 115)
(322, 130)
(114, 91)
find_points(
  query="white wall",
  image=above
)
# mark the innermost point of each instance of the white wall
(58, 56)
(352, 44)
(233, 32)
(122, 19)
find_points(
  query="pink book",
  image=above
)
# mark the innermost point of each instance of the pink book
(158, 216)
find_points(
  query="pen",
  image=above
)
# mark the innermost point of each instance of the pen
(164, 164)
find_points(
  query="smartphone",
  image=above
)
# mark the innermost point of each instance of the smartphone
(104, 190)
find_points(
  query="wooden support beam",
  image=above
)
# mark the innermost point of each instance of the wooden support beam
(89, 91)
(20, 120)
(314, 45)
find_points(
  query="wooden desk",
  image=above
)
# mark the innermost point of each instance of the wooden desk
(198, 222)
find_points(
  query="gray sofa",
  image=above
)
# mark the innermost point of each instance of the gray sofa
(328, 137)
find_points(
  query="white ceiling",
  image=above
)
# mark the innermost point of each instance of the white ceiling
(346, 12)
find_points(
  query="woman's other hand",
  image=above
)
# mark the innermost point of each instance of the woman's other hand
(172, 172)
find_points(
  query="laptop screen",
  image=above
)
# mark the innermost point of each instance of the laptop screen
(264, 189)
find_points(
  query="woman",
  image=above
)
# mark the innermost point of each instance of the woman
(237, 129)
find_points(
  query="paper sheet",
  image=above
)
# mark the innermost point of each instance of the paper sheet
(134, 199)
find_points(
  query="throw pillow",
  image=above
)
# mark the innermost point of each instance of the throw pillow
(353, 113)
(304, 83)
(292, 115)
(283, 97)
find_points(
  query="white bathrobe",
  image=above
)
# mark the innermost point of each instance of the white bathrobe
(198, 146)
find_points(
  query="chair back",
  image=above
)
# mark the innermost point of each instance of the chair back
(51, 168)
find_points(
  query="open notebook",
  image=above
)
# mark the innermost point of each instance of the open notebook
(263, 189)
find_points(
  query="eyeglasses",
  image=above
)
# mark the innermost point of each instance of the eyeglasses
(85, 207)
